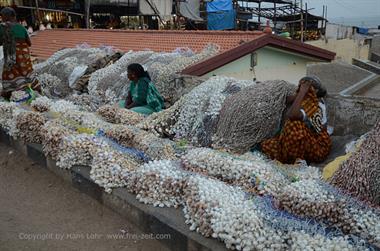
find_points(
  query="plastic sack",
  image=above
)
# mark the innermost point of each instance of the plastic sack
(77, 73)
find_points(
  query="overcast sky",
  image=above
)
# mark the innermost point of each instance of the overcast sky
(346, 8)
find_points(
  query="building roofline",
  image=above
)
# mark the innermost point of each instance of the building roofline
(226, 57)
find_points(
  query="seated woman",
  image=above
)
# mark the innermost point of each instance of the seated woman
(143, 97)
(17, 69)
(304, 135)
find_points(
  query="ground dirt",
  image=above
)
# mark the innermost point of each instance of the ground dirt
(39, 211)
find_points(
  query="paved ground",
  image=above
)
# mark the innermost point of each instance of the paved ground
(39, 211)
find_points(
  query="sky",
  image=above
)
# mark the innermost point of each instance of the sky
(346, 8)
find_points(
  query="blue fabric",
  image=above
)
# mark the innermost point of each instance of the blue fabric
(219, 5)
(363, 31)
(223, 20)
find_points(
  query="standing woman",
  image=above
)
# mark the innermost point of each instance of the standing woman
(143, 97)
(17, 68)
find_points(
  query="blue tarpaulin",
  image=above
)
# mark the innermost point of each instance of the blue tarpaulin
(363, 31)
(219, 5)
(222, 20)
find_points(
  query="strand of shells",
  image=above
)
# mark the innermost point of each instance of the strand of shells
(53, 133)
(360, 174)
(109, 167)
(160, 183)
(63, 106)
(48, 84)
(78, 150)
(118, 115)
(41, 104)
(29, 125)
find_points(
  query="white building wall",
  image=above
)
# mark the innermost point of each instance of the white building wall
(272, 64)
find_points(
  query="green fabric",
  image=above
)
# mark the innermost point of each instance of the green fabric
(146, 110)
(144, 93)
(18, 31)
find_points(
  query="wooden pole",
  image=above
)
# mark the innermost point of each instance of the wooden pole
(87, 12)
(306, 17)
(260, 15)
(301, 20)
(38, 12)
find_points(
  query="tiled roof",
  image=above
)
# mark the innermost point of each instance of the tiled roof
(47, 42)
(228, 56)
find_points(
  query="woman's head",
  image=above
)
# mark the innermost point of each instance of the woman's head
(136, 71)
(8, 14)
(316, 83)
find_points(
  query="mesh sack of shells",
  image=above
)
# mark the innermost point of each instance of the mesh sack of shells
(85, 101)
(308, 199)
(108, 83)
(109, 167)
(253, 175)
(360, 174)
(118, 115)
(63, 106)
(252, 115)
(161, 123)
(6, 114)
(19, 96)
(78, 150)
(53, 133)
(59, 55)
(162, 73)
(41, 104)
(29, 125)
(160, 183)
(200, 109)
(48, 84)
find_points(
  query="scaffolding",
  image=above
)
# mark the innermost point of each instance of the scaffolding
(286, 15)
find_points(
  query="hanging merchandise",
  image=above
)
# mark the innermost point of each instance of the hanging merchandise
(221, 20)
(219, 5)
(190, 10)
(163, 8)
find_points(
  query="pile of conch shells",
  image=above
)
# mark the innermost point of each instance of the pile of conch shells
(360, 174)
(29, 125)
(41, 104)
(160, 183)
(114, 114)
(6, 114)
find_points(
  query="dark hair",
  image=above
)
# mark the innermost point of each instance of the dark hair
(8, 12)
(139, 71)
(317, 84)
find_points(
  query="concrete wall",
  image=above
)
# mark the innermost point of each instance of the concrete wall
(375, 45)
(337, 76)
(352, 115)
(345, 49)
(271, 64)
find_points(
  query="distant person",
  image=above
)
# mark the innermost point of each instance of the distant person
(17, 69)
(143, 97)
(304, 135)
(24, 23)
(48, 26)
(30, 30)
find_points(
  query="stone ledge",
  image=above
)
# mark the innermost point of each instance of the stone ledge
(148, 218)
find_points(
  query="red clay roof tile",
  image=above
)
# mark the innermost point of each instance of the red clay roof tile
(45, 43)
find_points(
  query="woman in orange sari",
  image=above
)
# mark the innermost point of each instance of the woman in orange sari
(17, 69)
(304, 135)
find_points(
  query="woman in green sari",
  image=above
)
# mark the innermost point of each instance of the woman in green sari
(143, 97)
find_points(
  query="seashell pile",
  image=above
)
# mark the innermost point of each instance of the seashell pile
(160, 183)
(78, 150)
(123, 135)
(48, 84)
(85, 101)
(29, 125)
(63, 106)
(41, 104)
(109, 167)
(118, 115)
(360, 174)
(53, 133)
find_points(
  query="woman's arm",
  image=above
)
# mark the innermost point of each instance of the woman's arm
(28, 42)
(294, 112)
